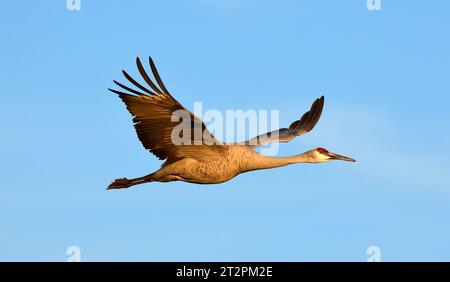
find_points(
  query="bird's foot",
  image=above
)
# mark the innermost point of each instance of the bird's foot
(120, 183)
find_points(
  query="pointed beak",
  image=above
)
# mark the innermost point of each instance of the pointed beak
(334, 156)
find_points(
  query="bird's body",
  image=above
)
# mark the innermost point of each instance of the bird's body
(203, 160)
(235, 159)
(229, 162)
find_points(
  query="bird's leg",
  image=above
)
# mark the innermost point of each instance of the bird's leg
(122, 183)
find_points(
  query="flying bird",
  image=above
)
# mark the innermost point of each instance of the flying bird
(203, 160)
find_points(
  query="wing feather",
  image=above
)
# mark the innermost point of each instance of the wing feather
(152, 116)
(299, 127)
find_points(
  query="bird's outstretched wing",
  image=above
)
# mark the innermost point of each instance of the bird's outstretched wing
(156, 114)
(299, 127)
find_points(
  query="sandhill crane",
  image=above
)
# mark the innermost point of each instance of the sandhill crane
(208, 161)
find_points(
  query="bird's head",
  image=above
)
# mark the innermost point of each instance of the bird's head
(321, 155)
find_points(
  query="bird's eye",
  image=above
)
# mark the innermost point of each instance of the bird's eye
(322, 151)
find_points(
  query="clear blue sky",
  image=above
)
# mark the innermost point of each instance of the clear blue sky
(385, 76)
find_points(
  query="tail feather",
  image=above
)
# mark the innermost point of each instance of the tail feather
(121, 183)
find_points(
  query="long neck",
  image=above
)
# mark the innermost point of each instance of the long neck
(263, 162)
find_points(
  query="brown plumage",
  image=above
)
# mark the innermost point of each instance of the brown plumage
(203, 159)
